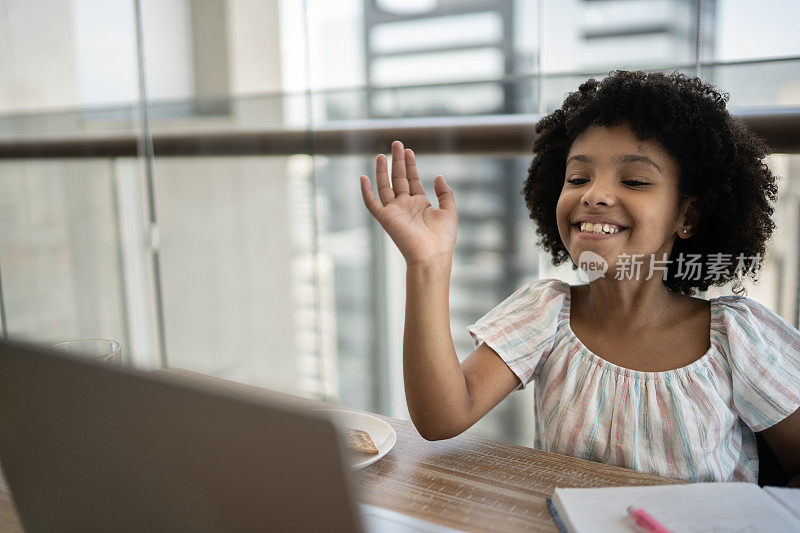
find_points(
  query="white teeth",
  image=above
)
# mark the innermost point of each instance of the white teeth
(588, 227)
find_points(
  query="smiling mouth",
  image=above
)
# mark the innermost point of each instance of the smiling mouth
(607, 231)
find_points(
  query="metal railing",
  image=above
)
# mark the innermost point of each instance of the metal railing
(505, 134)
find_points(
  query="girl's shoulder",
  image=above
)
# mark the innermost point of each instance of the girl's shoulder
(551, 285)
(763, 354)
(547, 284)
(522, 328)
(550, 293)
(535, 307)
(755, 340)
(549, 298)
(750, 321)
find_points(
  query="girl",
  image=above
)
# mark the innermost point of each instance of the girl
(629, 369)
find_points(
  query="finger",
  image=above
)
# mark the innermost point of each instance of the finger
(399, 181)
(372, 203)
(414, 184)
(385, 191)
(444, 194)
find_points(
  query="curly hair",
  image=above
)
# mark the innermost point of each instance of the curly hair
(720, 160)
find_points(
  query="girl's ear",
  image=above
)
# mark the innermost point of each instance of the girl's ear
(689, 218)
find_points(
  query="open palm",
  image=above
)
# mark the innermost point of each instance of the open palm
(421, 232)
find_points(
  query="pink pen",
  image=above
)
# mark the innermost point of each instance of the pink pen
(643, 519)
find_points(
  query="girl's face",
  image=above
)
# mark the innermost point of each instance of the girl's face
(611, 176)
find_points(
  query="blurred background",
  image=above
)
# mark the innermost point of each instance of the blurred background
(182, 175)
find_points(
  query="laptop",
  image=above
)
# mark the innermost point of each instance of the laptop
(88, 446)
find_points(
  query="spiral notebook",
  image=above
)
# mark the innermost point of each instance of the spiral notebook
(696, 508)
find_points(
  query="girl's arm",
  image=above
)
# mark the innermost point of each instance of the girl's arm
(784, 439)
(444, 397)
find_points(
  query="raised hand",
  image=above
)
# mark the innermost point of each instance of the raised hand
(421, 232)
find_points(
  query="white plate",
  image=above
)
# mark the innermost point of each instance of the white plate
(381, 433)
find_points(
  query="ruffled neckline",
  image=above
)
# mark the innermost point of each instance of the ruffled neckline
(629, 372)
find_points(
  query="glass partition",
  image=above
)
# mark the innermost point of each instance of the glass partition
(239, 245)
(60, 242)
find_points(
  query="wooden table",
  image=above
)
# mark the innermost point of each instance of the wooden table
(466, 482)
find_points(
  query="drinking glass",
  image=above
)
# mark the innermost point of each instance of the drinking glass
(104, 350)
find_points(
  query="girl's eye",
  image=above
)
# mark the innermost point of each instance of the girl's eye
(631, 183)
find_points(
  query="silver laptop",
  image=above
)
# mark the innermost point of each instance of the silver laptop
(87, 446)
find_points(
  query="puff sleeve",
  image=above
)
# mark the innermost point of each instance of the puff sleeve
(522, 328)
(764, 357)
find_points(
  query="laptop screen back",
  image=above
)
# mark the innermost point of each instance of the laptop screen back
(91, 447)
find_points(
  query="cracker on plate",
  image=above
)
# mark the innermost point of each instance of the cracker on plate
(360, 441)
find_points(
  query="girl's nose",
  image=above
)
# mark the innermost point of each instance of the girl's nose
(598, 193)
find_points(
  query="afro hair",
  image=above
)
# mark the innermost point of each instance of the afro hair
(721, 163)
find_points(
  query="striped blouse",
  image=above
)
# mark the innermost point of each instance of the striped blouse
(694, 423)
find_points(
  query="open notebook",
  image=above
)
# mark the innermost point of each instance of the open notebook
(698, 507)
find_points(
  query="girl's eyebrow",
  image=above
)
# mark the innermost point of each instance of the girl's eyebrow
(580, 158)
(630, 158)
